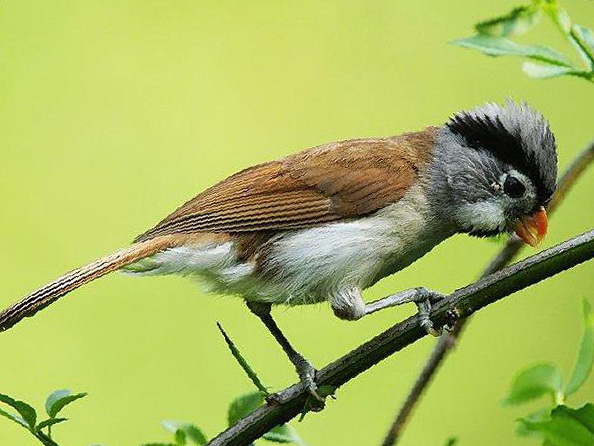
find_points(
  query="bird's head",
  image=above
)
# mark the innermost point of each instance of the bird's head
(495, 171)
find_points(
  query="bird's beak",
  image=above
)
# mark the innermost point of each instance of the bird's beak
(533, 228)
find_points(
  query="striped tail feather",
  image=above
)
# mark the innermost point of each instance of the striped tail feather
(51, 292)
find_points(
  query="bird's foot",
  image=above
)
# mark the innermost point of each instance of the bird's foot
(307, 375)
(425, 299)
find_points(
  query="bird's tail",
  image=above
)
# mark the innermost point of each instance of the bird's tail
(51, 292)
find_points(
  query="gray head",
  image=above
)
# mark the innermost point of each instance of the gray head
(495, 169)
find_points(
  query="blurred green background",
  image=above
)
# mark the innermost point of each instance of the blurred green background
(114, 112)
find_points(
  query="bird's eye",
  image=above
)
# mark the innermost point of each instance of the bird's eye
(513, 187)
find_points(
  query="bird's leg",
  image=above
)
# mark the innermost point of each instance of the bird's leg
(350, 305)
(306, 372)
(421, 297)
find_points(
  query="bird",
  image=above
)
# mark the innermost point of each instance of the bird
(324, 224)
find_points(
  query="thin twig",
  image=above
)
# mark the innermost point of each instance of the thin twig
(449, 340)
(462, 302)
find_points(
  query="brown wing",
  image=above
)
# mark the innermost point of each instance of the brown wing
(335, 181)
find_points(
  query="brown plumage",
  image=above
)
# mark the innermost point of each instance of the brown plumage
(331, 182)
(49, 293)
(336, 181)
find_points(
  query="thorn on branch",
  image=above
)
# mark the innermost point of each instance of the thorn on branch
(251, 374)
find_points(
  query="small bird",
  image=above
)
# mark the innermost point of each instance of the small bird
(328, 222)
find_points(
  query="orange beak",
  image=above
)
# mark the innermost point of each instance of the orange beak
(533, 228)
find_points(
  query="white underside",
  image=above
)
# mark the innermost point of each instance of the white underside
(313, 265)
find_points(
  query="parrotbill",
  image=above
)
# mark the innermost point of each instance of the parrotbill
(326, 223)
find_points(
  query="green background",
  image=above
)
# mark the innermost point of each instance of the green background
(113, 112)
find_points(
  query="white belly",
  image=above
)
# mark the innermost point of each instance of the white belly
(311, 265)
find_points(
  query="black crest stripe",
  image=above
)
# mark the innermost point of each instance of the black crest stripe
(483, 132)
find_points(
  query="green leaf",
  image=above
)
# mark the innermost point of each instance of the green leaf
(585, 358)
(572, 32)
(59, 399)
(195, 434)
(566, 426)
(243, 405)
(516, 22)
(523, 429)
(453, 441)
(180, 437)
(188, 430)
(534, 382)
(242, 362)
(25, 411)
(584, 415)
(14, 417)
(49, 422)
(540, 71)
(500, 46)
(283, 434)
(586, 35)
(585, 43)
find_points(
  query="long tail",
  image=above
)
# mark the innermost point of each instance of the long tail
(51, 292)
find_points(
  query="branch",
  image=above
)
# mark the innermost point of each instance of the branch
(448, 341)
(463, 302)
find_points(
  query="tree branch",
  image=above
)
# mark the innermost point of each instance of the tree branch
(449, 340)
(463, 302)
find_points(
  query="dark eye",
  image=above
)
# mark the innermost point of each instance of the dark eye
(513, 187)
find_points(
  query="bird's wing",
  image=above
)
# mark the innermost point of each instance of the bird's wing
(332, 182)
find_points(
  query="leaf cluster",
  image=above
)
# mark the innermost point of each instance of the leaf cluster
(26, 416)
(497, 37)
(558, 424)
(184, 434)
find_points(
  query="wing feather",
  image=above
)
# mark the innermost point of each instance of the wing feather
(332, 182)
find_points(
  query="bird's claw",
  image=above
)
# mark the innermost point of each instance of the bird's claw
(307, 375)
(424, 304)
